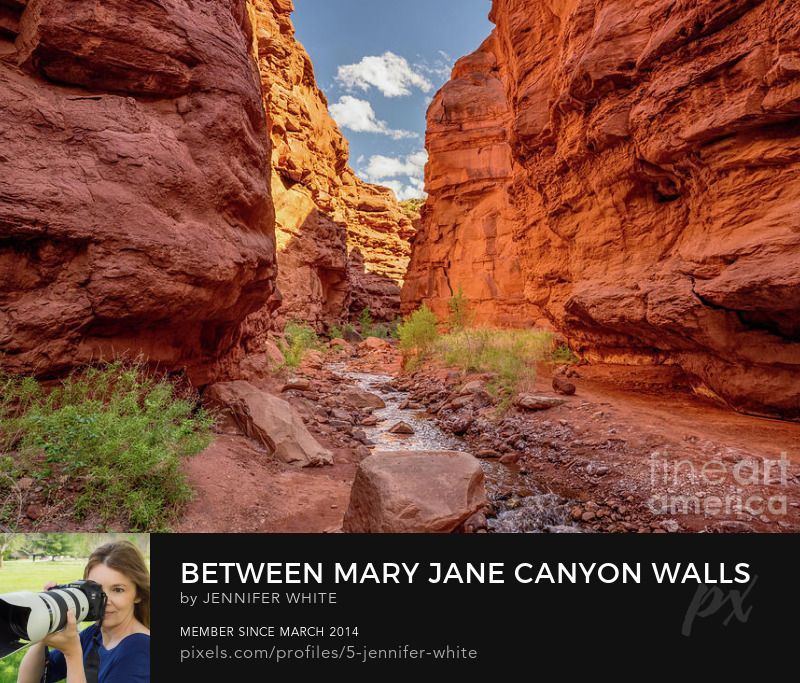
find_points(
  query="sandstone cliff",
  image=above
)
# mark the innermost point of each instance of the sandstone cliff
(342, 243)
(633, 175)
(135, 213)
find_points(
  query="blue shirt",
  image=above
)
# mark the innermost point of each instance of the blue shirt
(128, 662)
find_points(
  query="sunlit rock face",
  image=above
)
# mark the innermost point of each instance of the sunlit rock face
(135, 211)
(342, 243)
(631, 174)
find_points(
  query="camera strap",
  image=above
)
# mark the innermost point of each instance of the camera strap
(43, 679)
(91, 659)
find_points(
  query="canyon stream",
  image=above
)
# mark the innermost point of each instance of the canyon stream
(520, 504)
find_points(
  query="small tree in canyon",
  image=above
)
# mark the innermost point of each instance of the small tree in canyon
(460, 316)
(418, 333)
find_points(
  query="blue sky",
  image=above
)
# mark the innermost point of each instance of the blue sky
(379, 63)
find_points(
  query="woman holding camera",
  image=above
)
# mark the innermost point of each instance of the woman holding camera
(117, 648)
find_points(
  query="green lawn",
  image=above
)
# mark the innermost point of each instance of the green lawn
(24, 575)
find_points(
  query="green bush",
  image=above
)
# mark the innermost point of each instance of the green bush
(365, 322)
(412, 207)
(417, 334)
(337, 332)
(563, 354)
(459, 313)
(369, 328)
(299, 339)
(509, 355)
(112, 433)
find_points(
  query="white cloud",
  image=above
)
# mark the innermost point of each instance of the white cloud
(403, 192)
(381, 167)
(389, 73)
(439, 69)
(417, 183)
(359, 116)
(405, 175)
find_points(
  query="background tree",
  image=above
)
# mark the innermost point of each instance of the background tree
(8, 543)
(53, 545)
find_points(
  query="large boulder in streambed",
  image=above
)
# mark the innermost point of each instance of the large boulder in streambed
(271, 421)
(358, 398)
(415, 492)
(536, 402)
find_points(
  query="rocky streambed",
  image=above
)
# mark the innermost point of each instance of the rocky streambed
(595, 460)
(516, 502)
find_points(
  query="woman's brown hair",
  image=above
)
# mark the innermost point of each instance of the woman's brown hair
(125, 558)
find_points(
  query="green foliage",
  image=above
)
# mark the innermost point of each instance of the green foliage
(417, 334)
(365, 322)
(459, 313)
(509, 355)
(53, 545)
(72, 544)
(9, 543)
(412, 207)
(112, 433)
(299, 339)
(336, 332)
(393, 328)
(563, 354)
(369, 328)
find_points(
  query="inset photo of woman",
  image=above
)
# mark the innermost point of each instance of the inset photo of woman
(75, 608)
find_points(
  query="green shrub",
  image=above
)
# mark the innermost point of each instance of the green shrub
(563, 354)
(459, 313)
(393, 327)
(112, 433)
(337, 332)
(417, 334)
(369, 328)
(412, 207)
(365, 322)
(299, 339)
(381, 331)
(509, 355)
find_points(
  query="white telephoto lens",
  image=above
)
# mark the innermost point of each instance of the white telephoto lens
(48, 610)
(36, 624)
(64, 599)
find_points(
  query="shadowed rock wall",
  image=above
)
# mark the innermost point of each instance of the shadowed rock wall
(135, 210)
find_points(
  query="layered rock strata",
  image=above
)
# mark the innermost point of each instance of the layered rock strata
(342, 243)
(135, 211)
(632, 174)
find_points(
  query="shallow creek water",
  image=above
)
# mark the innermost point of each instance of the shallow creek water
(522, 507)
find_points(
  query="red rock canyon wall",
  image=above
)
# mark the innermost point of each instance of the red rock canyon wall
(342, 243)
(135, 212)
(631, 172)
(146, 149)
